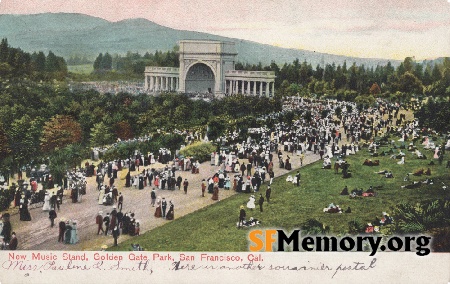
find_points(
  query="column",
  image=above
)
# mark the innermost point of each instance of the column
(157, 84)
(152, 83)
(254, 88)
(146, 82)
(248, 88)
(273, 88)
(178, 83)
(243, 87)
(267, 89)
(261, 88)
(167, 83)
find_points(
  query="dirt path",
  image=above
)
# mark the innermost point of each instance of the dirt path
(38, 235)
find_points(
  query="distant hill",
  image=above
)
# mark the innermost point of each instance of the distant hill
(77, 34)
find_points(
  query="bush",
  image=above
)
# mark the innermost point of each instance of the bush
(200, 151)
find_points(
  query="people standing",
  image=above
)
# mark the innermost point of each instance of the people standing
(203, 187)
(115, 234)
(242, 215)
(164, 207)
(99, 222)
(158, 212)
(62, 229)
(106, 220)
(153, 197)
(170, 214)
(215, 195)
(120, 201)
(13, 242)
(298, 178)
(185, 185)
(52, 216)
(261, 202)
(268, 193)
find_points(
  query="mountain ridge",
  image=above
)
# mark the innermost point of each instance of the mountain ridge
(69, 34)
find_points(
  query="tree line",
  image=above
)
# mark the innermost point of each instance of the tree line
(37, 66)
(344, 82)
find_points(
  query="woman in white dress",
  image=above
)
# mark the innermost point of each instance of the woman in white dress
(251, 202)
(101, 193)
(135, 181)
(46, 206)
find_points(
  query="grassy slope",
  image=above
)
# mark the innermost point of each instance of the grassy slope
(213, 228)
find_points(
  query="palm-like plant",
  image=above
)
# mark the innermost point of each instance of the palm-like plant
(420, 217)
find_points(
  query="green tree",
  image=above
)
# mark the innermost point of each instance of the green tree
(101, 135)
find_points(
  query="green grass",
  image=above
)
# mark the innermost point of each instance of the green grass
(81, 69)
(213, 228)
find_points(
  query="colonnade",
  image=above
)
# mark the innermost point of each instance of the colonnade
(161, 83)
(250, 87)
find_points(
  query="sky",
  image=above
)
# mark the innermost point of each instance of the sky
(391, 29)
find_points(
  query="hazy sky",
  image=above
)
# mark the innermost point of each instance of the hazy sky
(364, 28)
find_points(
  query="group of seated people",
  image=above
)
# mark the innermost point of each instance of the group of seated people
(420, 172)
(289, 178)
(371, 163)
(326, 163)
(417, 184)
(332, 208)
(386, 173)
(374, 227)
(359, 192)
(249, 223)
(420, 155)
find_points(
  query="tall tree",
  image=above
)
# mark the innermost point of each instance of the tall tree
(60, 131)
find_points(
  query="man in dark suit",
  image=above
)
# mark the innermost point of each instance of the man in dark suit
(164, 207)
(13, 242)
(298, 178)
(62, 230)
(261, 202)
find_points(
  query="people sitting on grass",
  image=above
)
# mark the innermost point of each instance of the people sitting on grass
(250, 223)
(344, 191)
(389, 175)
(428, 172)
(326, 163)
(418, 173)
(420, 155)
(382, 172)
(356, 192)
(406, 178)
(428, 181)
(414, 184)
(369, 193)
(332, 209)
(402, 161)
(370, 163)
(411, 147)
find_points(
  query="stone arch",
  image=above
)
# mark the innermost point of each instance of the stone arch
(200, 77)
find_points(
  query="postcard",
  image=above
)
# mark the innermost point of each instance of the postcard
(200, 141)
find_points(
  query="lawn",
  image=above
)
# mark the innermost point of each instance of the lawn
(213, 228)
(81, 69)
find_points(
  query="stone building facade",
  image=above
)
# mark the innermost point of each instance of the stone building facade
(208, 67)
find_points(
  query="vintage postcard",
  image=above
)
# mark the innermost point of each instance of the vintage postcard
(200, 141)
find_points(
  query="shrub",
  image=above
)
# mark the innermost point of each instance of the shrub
(200, 151)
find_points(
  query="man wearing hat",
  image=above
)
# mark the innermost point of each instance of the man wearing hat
(115, 234)
(52, 216)
(99, 222)
(62, 229)
(106, 221)
(13, 243)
